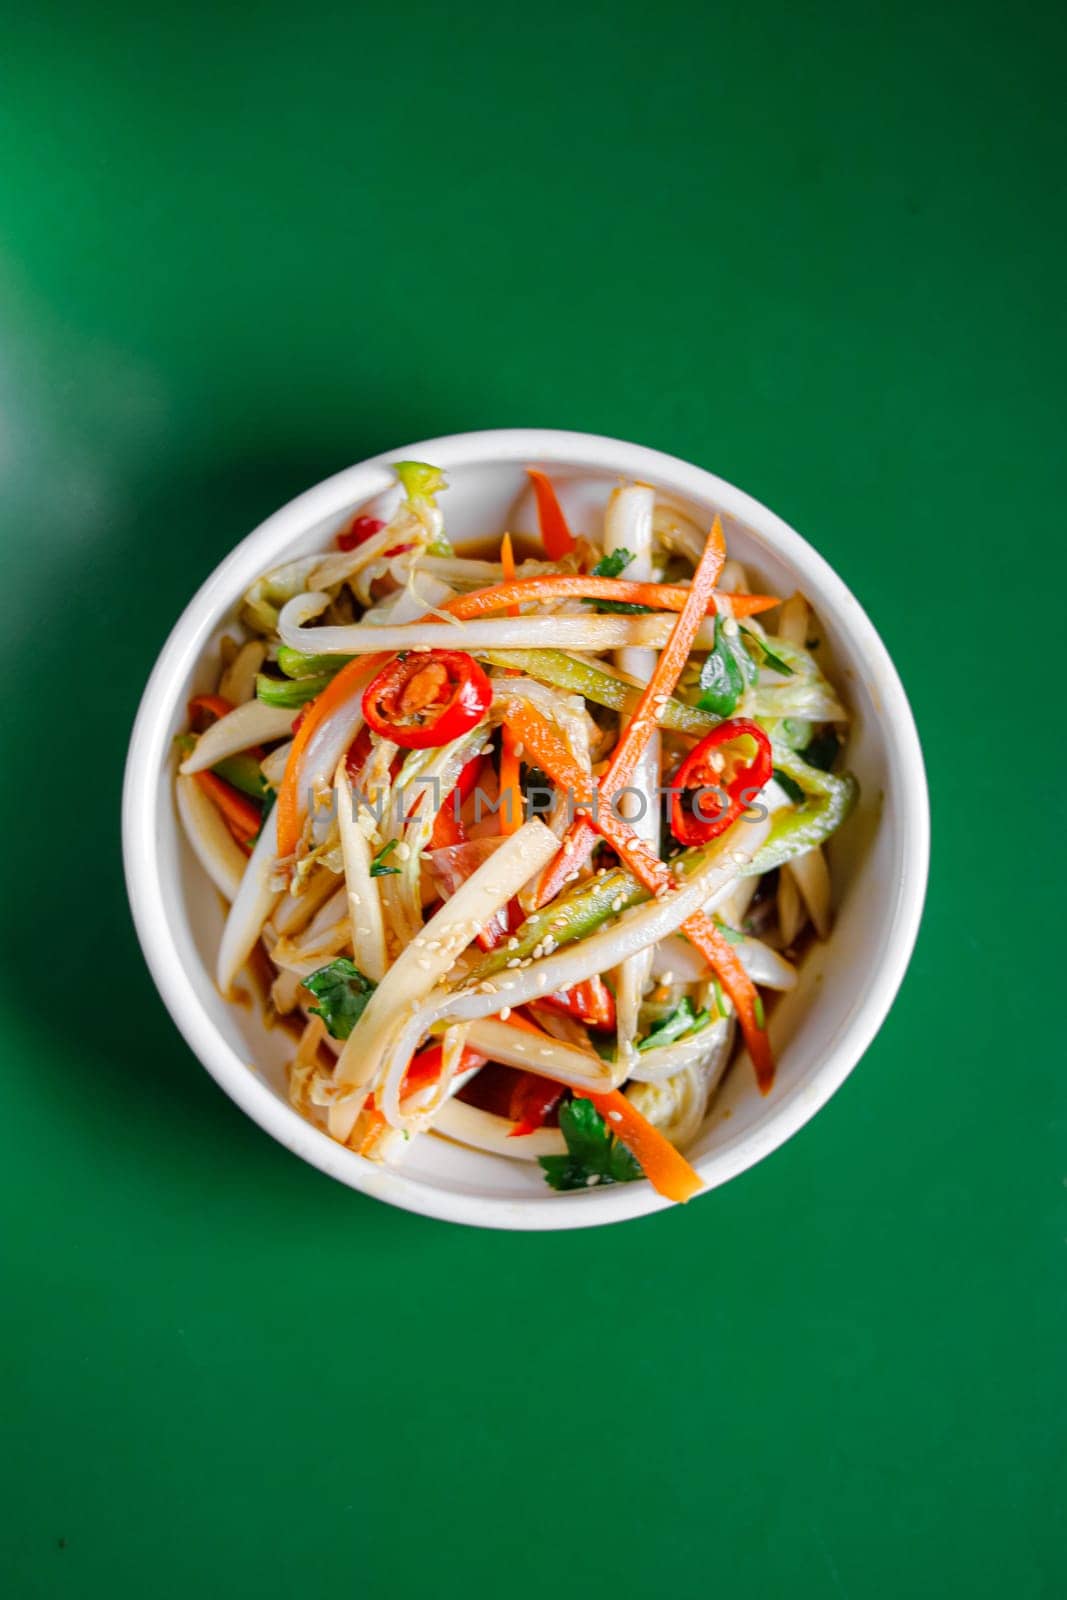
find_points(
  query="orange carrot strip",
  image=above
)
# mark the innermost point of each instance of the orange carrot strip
(672, 658)
(510, 796)
(510, 791)
(555, 534)
(666, 1168)
(552, 755)
(583, 586)
(645, 717)
(351, 680)
(507, 565)
(243, 817)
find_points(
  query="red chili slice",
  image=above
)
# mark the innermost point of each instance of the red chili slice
(714, 785)
(426, 698)
(359, 530)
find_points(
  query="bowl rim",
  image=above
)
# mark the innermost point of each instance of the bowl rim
(146, 767)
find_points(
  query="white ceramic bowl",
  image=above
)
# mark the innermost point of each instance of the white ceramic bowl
(821, 1030)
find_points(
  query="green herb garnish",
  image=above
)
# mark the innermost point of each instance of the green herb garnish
(594, 1156)
(343, 992)
(378, 868)
(775, 663)
(726, 671)
(823, 750)
(682, 1020)
(610, 566)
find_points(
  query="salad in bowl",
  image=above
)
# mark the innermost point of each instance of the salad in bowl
(520, 831)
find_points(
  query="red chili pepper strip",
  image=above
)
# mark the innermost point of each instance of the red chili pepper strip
(358, 531)
(204, 709)
(423, 1069)
(590, 1002)
(555, 534)
(242, 816)
(427, 698)
(448, 827)
(533, 1099)
(704, 769)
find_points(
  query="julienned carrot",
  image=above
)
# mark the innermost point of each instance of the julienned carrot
(507, 564)
(641, 725)
(552, 756)
(510, 796)
(701, 931)
(555, 534)
(666, 1168)
(583, 586)
(243, 818)
(351, 680)
(510, 792)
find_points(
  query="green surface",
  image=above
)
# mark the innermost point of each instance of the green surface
(818, 249)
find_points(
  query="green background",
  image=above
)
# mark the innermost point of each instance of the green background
(818, 249)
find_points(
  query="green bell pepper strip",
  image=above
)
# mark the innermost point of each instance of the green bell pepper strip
(561, 671)
(243, 771)
(584, 908)
(289, 691)
(829, 797)
(578, 912)
(296, 665)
